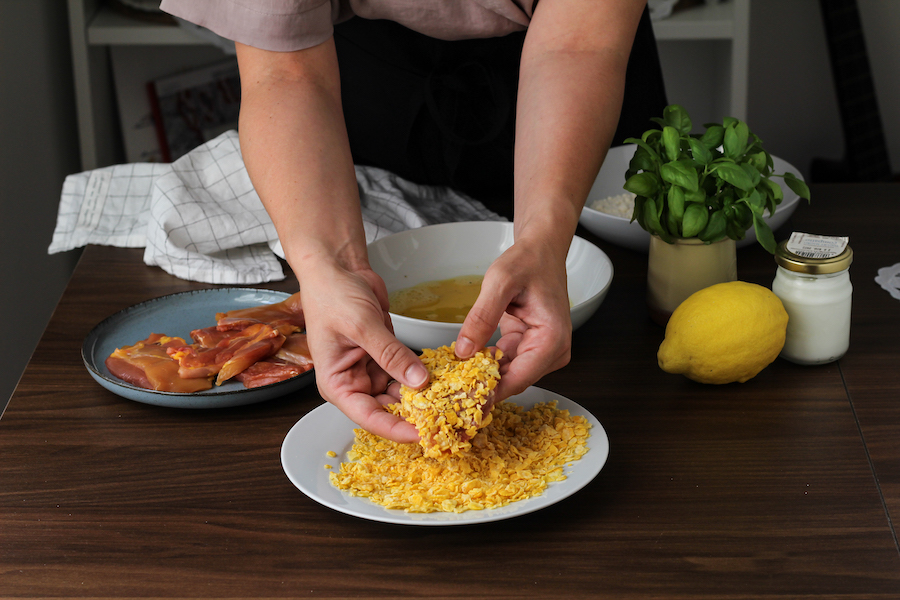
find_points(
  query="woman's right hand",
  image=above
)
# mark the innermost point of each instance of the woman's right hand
(354, 350)
(295, 146)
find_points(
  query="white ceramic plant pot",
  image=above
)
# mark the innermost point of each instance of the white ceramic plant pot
(677, 270)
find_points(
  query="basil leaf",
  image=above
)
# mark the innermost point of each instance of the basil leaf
(637, 213)
(735, 143)
(653, 223)
(654, 155)
(715, 227)
(643, 184)
(671, 142)
(773, 190)
(744, 218)
(758, 161)
(713, 136)
(641, 161)
(720, 200)
(680, 174)
(673, 223)
(755, 202)
(699, 151)
(798, 186)
(676, 202)
(699, 196)
(695, 219)
(755, 146)
(728, 210)
(752, 173)
(760, 202)
(734, 230)
(732, 174)
(764, 233)
(652, 137)
(675, 116)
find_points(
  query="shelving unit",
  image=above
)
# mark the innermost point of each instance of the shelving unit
(720, 29)
(705, 54)
(715, 20)
(109, 28)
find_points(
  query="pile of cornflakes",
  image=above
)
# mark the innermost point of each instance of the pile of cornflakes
(513, 458)
(450, 409)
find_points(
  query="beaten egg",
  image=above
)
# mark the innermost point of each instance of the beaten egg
(445, 300)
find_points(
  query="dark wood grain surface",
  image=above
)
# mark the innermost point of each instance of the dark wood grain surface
(782, 487)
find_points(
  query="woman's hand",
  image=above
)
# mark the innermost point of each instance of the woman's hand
(524, 291)
(354, 350)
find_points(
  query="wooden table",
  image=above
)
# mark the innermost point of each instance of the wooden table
(785, 486)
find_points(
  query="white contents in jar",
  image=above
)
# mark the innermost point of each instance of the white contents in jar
(818, 308)
(621, 205)
(817, 294)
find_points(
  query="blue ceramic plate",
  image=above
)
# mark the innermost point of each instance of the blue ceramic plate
(178, 315)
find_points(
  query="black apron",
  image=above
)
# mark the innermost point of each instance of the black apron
(443, 112)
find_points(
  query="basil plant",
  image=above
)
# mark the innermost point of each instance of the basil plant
(709, 186)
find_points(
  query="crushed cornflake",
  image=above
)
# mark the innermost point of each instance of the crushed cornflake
(451, 408)
(512, 458)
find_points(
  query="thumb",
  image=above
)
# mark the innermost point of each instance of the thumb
(479, 326)
(395, 358)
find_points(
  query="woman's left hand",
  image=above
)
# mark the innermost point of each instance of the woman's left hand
(524, 291)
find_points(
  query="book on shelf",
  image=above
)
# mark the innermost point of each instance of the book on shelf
(194, 106)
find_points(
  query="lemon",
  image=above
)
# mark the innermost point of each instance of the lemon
(724, 333)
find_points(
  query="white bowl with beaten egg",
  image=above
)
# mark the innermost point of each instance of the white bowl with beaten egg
(460, 250)
(613, 222)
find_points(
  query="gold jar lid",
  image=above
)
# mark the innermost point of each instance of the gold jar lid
(813, 266)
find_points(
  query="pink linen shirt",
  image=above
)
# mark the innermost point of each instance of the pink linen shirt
(286, 25)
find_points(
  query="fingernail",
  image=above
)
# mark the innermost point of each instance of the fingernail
(464, 347)
(416, 375)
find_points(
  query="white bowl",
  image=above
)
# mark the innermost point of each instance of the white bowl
(438, 252)
(622, 232)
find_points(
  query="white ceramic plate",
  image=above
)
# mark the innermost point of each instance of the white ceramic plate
(178, 315)
(304, 456)
(622, 232)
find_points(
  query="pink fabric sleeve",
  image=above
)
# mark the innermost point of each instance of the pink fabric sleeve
(278, 25)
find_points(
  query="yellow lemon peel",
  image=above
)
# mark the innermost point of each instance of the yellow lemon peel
(725, 333)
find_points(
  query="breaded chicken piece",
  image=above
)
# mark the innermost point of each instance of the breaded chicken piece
(451, 408)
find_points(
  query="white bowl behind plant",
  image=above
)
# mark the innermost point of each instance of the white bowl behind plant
(439, 252)
(621, 232)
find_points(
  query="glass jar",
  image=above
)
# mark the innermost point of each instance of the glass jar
(816, 293)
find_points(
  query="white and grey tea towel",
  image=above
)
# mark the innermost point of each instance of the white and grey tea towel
(199, 218)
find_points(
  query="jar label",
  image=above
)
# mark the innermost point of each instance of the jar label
(808, 245)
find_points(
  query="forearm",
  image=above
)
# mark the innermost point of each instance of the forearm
(570, 96)
(295, 147)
